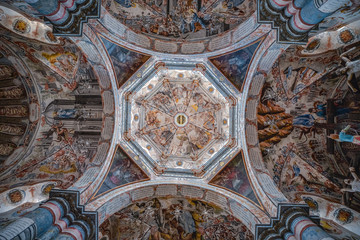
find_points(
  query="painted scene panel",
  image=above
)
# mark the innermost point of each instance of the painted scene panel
(125, 62)
(174, 218)
(234, 65)
(122, 171)
(234, 177)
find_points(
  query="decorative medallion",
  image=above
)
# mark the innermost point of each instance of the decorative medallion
(47, 188)
(181, 120)
(343, 215)
(313, 45)
(21, 26)
(15, 196)
(311, 203)
(346, 36)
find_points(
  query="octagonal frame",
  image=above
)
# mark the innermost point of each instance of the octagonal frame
(145, 75)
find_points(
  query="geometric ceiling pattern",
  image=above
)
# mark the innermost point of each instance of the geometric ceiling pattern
(179, 120)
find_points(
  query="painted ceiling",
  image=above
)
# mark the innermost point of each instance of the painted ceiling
(293, 120)
(166, 19)
(179, 119)
(173, 218)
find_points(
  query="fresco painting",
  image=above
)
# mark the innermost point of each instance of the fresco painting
(303, 100)
(313, 205)
(179, 118)
(337, 231)
(235, 65)
(274, 123)
(174, 218)
(16, 126)
(122, 171)
(181, 19)
(64, 62)
(125, 61)
(68, 132)
(180, 123)
(62, 99)
(7, 71)
(234, 178)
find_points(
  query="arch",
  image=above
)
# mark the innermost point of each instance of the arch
(118, 199)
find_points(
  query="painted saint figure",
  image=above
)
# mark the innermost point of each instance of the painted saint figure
(65, 113)
(306, 120)
(351, 68)
(355, 184)
(343, 137)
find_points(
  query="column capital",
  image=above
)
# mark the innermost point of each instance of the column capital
(280, 226)
(67, 16)
(74, 212)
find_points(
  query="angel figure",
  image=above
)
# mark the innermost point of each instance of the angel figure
(343, 137)
(351, 68)
(355, 184)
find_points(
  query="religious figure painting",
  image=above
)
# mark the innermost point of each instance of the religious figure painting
(57, 136)
(122, 171)
(63, 62)
(7, 72)
(181, 119)
(174, 218)
(304, 104)
(181, 19)
(235, 65)
(125, 61)
(234, 177)
(274, 123)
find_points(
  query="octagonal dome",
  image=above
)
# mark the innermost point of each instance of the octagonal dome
(179, 118)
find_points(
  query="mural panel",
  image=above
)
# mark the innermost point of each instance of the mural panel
(235, 65)
(69, 114)
(234, 177)
(125, 61)
(337, 231)
(18, 115)
(122, 171)
(174, 218)
(181, 19)
(306, 99)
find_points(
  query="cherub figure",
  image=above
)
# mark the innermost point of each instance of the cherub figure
(355, 184)
(351, 68)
